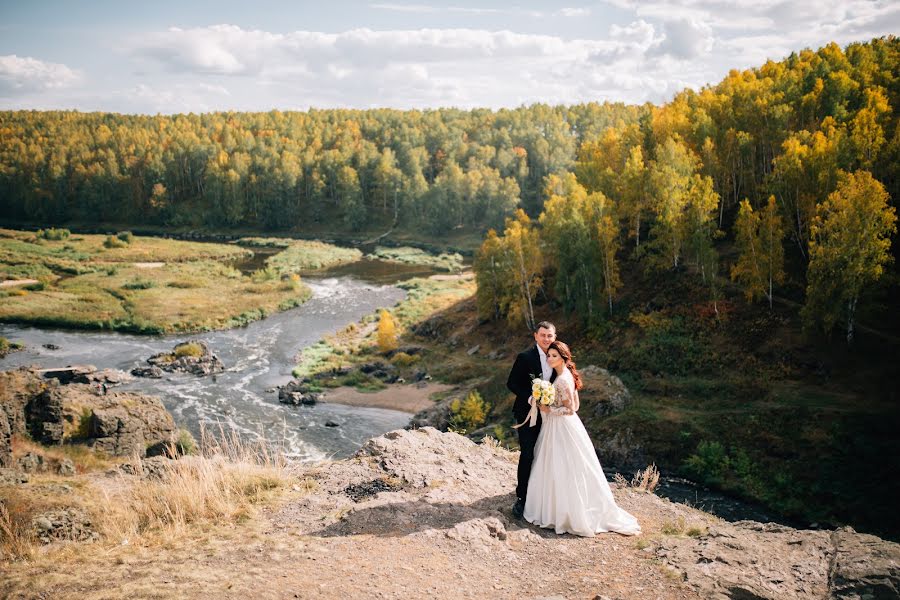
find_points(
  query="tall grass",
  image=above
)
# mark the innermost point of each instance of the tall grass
(222, 484)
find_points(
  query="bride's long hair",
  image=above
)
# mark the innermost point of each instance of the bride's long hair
(566, 355)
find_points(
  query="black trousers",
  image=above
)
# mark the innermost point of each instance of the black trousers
(527, 438)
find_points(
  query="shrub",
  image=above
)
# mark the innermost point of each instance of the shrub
(114, 242)
(263, 275)
(387, 332)
(468, 414)
(402, 359)
(53, 234)
(139, 284)
(185, 444)
(192, 349)
(709, 464)
(125, 236)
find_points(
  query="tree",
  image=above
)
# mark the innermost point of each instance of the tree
(526, 261)
(491, 276)
(759, 239)
(671, 182)
(387, 332)
(848, 249)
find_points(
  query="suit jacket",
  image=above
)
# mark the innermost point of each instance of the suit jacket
(526, 366)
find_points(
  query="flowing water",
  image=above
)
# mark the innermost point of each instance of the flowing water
(257, 358)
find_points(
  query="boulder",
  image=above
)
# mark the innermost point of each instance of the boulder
(176, 361)
(126, 423)
(44, 414)
(864, 566)
(149, 372)
(603, 392)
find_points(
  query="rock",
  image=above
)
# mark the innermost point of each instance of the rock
(106, 377)
(473, 350)
(51, 346)
(128, 423)
(17, 388)
(603, 391)
(156, 467)
(437, 416)
(331, 424)
(66, 467)
(747, 559)
(478, 530)
(44, 415)
(206, 363)
(149, 372)
(12, 477)
(67, 374)
(297, 393)
(70, 524)
(32, 462)
(864, 566)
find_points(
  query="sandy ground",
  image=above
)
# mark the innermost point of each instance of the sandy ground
(13, 282)
(409, 398)
(149, 265)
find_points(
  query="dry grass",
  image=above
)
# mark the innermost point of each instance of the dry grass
(645, 480)
(223, 483)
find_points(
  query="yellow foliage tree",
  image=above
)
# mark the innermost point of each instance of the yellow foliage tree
(849, 246)
(759, 237)
(468, 414)
(387, 332)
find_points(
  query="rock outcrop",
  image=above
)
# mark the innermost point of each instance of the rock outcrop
(766, 561)
(119, 423)
(187, 357)
(604, 393)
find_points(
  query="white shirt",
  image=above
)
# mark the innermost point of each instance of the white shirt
(545, 367)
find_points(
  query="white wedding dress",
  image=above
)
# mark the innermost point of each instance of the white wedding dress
(567, 490)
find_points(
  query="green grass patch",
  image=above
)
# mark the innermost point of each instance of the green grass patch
(450, 262)
(305, 255)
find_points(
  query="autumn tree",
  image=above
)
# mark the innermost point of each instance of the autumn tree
(848, 249)
(387, 332)
(759, 239)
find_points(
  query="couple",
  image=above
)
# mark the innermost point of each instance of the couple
(560, 481)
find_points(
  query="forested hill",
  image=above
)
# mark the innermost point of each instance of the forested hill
(341, 169)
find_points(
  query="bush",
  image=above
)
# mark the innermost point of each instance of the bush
(709, 464)
(53, 234)
(468, 414)
(185, 444)
(402, 359)
(387, 332)
(192, 349)
(125, 236)
(139, 284)
(114, 242)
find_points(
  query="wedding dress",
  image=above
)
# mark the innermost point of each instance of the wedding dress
(567, 489)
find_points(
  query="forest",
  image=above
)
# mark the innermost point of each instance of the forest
(778, 178)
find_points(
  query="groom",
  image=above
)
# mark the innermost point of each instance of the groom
(529, 364)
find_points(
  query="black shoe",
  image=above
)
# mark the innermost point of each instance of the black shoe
(518, 508)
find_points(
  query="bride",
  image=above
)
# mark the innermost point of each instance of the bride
(567, 489)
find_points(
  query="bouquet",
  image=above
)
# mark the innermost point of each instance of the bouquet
(543, 391)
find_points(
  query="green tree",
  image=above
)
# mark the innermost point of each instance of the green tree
(848, 249)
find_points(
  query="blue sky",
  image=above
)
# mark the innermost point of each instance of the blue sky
(169, 57)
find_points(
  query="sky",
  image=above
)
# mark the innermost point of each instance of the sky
(170, 56)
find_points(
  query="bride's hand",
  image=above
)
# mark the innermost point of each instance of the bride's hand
(543, 408)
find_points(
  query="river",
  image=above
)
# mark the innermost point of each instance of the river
(257, 357)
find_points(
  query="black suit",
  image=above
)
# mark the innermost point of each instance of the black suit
(526, 367)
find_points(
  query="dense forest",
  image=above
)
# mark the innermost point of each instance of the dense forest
(346, 169)
(791, 169)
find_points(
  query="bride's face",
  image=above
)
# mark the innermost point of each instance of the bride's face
(553, 358)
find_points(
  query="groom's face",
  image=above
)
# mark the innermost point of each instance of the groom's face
(543, 337)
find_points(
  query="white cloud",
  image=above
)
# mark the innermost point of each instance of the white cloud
(573, 12)
(686, 39)
(19, 75)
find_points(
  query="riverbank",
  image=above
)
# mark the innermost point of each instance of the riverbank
(147, 285)
(409, 398)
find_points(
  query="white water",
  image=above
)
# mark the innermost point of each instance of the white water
(257, 357)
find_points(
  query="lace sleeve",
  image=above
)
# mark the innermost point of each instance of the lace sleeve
(566, 397)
